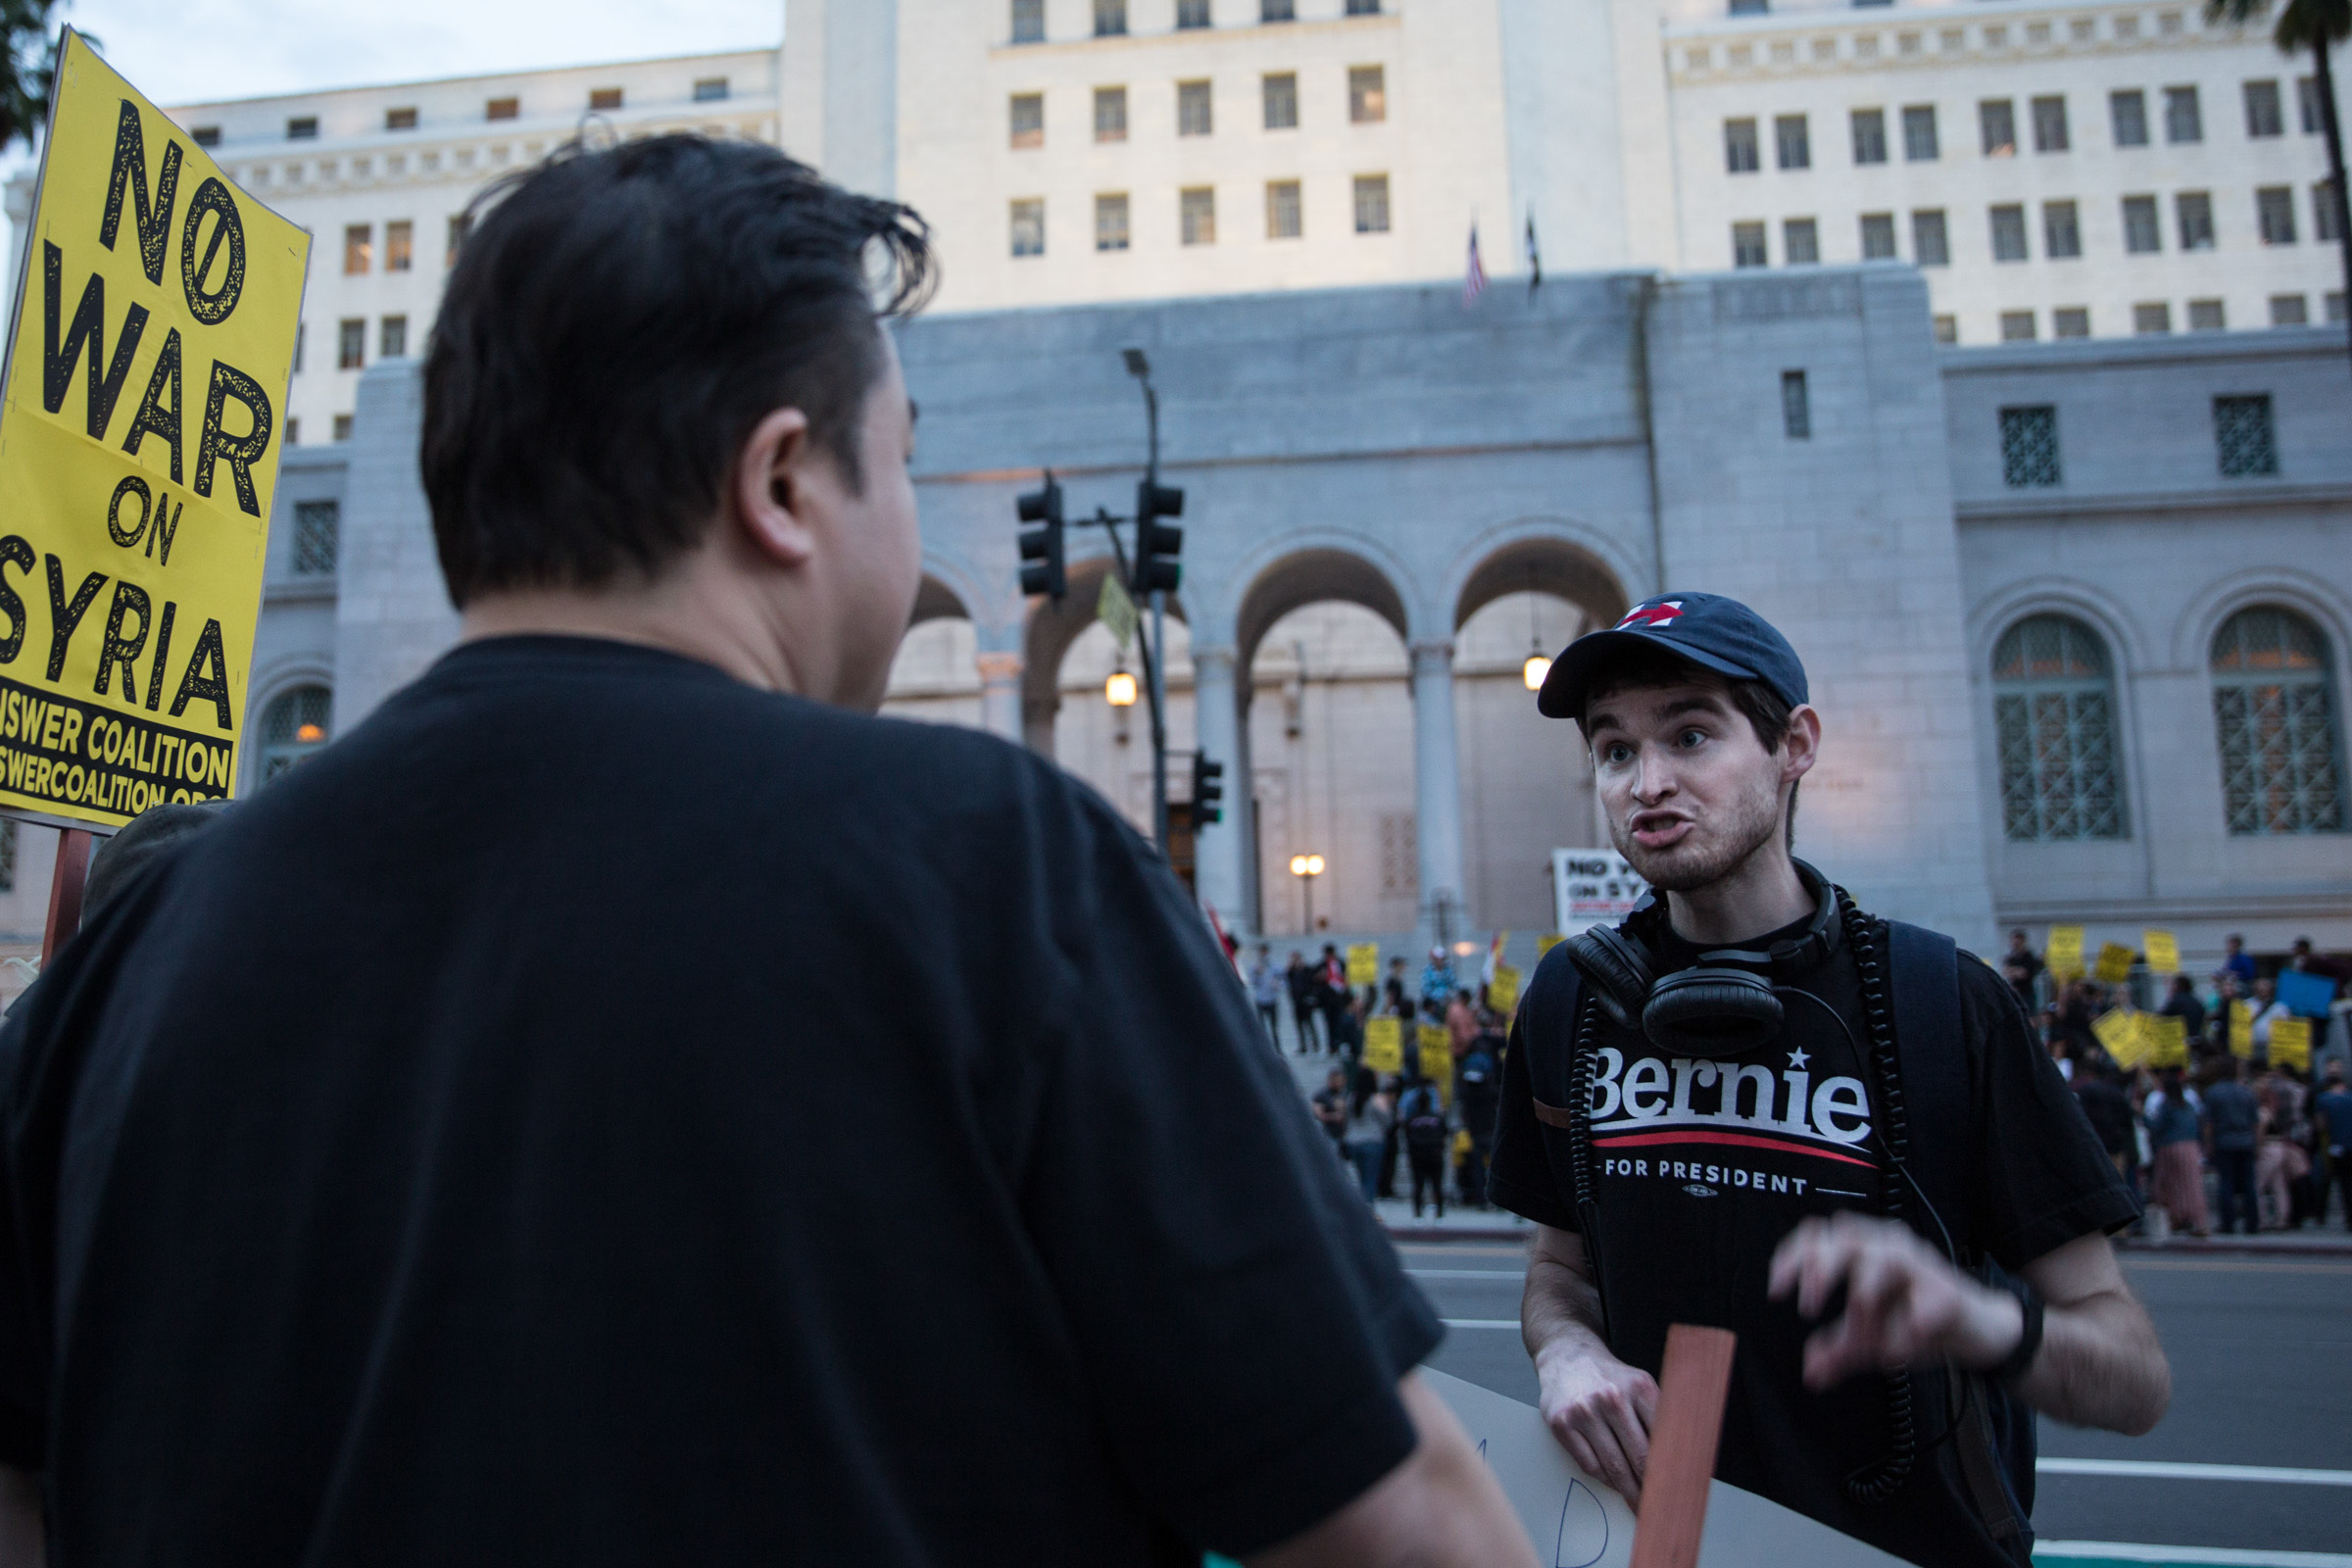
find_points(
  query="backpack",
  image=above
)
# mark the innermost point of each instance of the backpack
(1424, 1120)
(1475, 1074)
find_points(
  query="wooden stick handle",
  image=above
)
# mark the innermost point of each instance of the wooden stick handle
(1692, 1390)
(65, 890)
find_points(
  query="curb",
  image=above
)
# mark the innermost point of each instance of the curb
(1460, 1233)
(2179, 1246)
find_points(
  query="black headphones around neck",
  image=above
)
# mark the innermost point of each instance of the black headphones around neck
(1720, 1006)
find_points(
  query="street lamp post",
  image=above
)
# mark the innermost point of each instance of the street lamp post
(1307, 867)
(1155, 671)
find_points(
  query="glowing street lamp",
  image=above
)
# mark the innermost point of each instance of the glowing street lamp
(1533, 671)
(1119, 690)
(1307, 867)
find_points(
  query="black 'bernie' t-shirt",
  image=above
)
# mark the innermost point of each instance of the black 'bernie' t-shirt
(1700, 1168)
(601, 1113)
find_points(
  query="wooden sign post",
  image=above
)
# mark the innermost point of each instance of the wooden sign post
(1693, 1387)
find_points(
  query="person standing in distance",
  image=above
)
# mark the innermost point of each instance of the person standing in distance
(534, 1234)
(1752, 1100)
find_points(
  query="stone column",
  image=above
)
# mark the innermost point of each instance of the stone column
(1217, 860)
(1436, 783)
(1000, 694)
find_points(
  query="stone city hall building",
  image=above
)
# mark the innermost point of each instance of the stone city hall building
(1984, 345)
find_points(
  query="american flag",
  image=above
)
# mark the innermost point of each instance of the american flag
(1476, 284)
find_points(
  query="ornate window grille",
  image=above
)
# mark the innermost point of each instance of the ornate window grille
(2274, 707)
(2241, 433)
(2030, 446)
(2055, 707)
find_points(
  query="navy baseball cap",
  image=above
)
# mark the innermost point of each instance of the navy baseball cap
(1708, 630)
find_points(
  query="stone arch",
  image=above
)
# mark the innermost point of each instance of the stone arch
(936, 599)
(1540, 560)
(1045, 642)
(2088, 602)
(1313, 575)
(2300, 591)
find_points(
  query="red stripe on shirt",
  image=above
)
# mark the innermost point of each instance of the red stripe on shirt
(1742, 1140)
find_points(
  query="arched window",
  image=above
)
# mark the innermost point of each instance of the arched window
(2274, 707)
(2054, 704)
(293, 726)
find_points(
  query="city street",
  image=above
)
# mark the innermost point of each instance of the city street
(2261, 1384)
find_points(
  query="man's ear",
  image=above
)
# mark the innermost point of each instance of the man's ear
(771, 490)
(1800, 747)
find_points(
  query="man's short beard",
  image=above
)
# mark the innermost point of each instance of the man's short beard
(1682, 869)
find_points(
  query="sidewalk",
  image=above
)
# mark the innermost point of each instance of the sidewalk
(1494, 1225)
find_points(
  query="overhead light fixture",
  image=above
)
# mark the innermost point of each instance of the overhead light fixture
(1538, 664)
(1307, 865)
(310, 734)
(1119, 690)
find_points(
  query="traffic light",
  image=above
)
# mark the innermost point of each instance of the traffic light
(1208, 788)
(1042, 561)
(1156, 544)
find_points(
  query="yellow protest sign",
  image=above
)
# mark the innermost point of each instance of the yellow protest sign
(1436, 1060)
(2241, 1030)
(2291, 1043)
(2119, 1032)
(2168, 1041)
(1363, 963)
(2064, 955)
(1502, 991)
(2115, 965)
(2163, 951)
(1547, 942)
(1384, 1044)
(139, 439)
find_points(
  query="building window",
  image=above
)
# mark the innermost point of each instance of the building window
(2029, 442)
(1371, 203)
(1190, 14)
(316, 526)
(2333, 302)
(1277, 10)
(1029, 226)
(1110, 17)
(302, 331)
(1110, 113)
(400, 119)
(2272, 704)
(2061, 230)
(2205, 316)
(302, 127)
(2128, 112)
(1740, 146)
(351, 343)
(1878, 236)
(1919, 133)
(1193, 117)
(1282, 101)
(1748, 245)
(1931, 245)
(1111, 223)
(1367, 94)
(293, 726)
(459, 226)
(202, 137)
(1751, 8)
(2183, 122)
(1197, 211)
(1800, 242)
(2275, 214)
(1028, 21)
(2327, 217)
(1792, 141)
(1870, 136)
(2263, 118)
(2017, 326)
(2069, 321)
(1364, 8)
(1797, 406)
(1947, 329)
(711, 90)
(293, 433)
(2143, 234)
(2242, 434)
(2009, 233)
(501, 109)
(2050, 124)
(2289, 309)
(1997, 120)
(1282, 209)
(603, 100)
(2053, 705)
(359, 248)
(8, 857)
(2307, 101)
(2151, 319)
(1028, 120)
(400, 245)
(2194, 208)
(342, 427)
(392, 337)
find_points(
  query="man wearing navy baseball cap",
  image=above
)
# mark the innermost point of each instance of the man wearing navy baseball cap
(1752, 1105)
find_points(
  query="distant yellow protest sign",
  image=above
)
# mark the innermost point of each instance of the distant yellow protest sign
(2115, 964)
(140, 438)
(1384, 1044)
(2064, 955)
(1363, 963)
(2121, 1033)
(2167, 1040)
(2291, 1043)
(2241, 1030)
(1436, 1060)
(2163, 951)
(1547, 942)
(1502, 991)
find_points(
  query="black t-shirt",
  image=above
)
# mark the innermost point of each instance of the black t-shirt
(600, 1114)
(1700, 1168)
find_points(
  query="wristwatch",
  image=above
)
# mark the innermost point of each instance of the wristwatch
(2029, 1339)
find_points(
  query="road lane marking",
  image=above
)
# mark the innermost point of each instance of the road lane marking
(2118, 1551)
(2167, 1470)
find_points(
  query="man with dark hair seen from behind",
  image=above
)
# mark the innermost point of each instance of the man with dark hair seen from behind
(1755, 1106)
(439, 1159)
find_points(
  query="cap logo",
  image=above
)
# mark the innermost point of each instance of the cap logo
(1657, 614)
